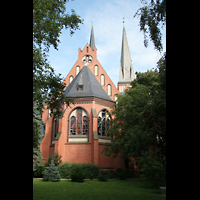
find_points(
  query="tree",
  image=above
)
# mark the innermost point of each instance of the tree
(49, 19)
(51, 173)
(152, 16)
(128, 128)
(155, 112)
(140, 122)
(37, 135)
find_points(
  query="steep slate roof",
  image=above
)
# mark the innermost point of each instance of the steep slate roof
(126, 73)
(91, 87)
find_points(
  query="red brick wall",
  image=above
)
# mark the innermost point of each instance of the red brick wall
(78, 153)
(82, 152)
(91, 67)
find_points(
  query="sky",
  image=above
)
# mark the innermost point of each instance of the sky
(107, 17)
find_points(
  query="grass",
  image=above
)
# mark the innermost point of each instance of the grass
(95, 190)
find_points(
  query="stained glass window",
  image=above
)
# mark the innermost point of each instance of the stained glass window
(103, 123)
(73, 126)
(79, 122)
(99, 126)
(55, 125)
(85, 125)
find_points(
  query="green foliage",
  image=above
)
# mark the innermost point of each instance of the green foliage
(155, 112)
(37, 136)
(140, 117)
(56, 158)
(152, 16)
(88, 169)
(49, 18)
(130, 173)
(39, 170)
(121, 174)
(66, 169)
(135, 189)
(124, 174)
(103, 175)
(77, 174)
(51, 173)
(128, 127)
(111, 174)
(152, 169)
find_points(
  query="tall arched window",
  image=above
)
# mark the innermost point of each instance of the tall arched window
(103, 123)
(73, 126)
(71, 79)
(96, 70)
(102, 79)
(79, 122)
(77, 69)
(109, 90)
(55, 126)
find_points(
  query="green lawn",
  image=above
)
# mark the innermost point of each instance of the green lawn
(112, 189)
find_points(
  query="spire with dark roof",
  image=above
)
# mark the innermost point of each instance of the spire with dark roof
(92, 43)
(126, 73)
(90, 87)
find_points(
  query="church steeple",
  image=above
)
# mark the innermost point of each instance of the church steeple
(126, 73)
(92, 44)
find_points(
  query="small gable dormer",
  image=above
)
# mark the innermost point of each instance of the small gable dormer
(80, 83)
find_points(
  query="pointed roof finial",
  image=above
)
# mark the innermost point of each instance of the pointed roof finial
(92, 43)
(126, 73)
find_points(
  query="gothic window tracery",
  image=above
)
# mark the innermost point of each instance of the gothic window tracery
(103, 123)
(79, 122)
(55, 126)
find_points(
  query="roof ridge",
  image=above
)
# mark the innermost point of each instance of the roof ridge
(91, 87)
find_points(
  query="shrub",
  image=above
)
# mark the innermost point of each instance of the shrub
(51, 173)
(66, 169)
(103, 175)
(39, 170)
(152, 169)
(121, 174)
(56, 158)
(112, 174)
(77, 174)
(130, 173)
(88, 169)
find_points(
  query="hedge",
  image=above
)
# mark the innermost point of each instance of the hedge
(66, 169)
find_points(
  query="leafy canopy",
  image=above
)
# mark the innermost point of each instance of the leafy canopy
(152, 18)
(49, 18)
(139, 116)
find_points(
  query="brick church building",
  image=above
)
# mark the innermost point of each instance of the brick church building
(80, 135)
